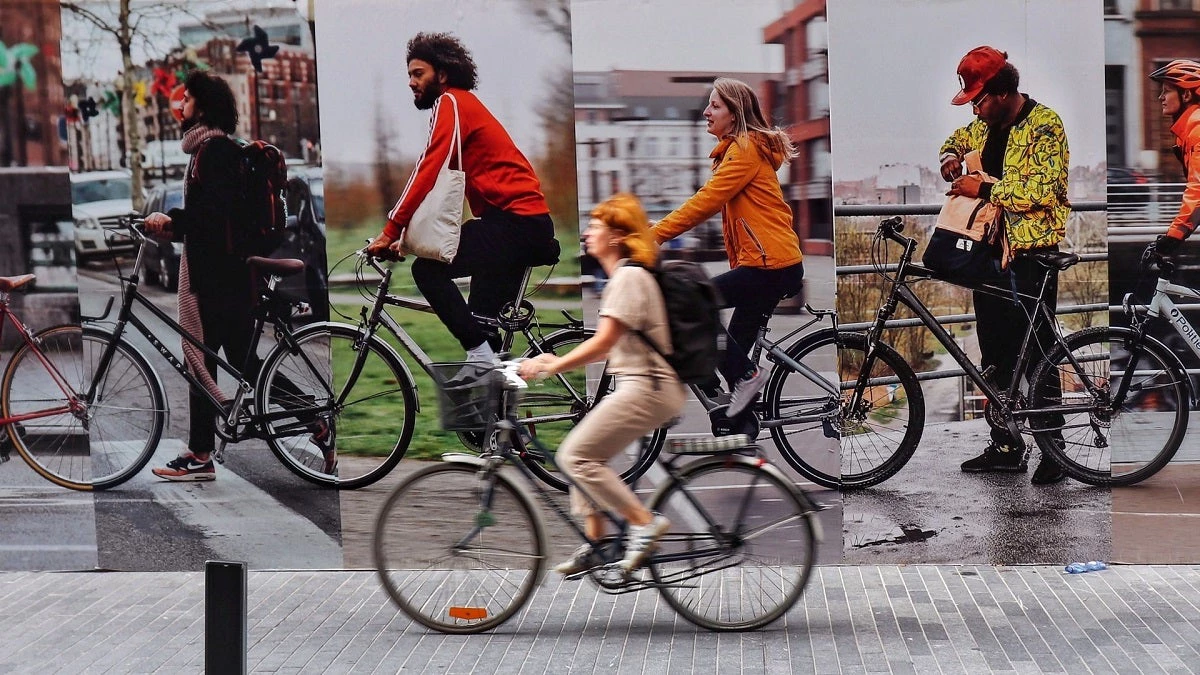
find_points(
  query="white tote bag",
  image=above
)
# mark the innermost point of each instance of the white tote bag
(435, 226)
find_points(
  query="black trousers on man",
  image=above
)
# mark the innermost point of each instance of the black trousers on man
(1001, 326)
(494, 251)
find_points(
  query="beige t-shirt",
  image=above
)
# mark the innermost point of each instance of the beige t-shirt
(633, 298)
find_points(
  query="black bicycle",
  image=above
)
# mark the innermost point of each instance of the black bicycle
(460, 545)
(312, 381)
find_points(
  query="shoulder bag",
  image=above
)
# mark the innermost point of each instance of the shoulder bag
(436, 224)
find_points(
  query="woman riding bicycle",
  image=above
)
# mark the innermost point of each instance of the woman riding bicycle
(648, 392)
(763, 249)
(1180, 99)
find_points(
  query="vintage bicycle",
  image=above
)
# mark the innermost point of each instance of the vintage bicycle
(118, 409)
(460, 545)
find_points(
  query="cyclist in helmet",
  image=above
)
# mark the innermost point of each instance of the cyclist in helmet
(1180, 99)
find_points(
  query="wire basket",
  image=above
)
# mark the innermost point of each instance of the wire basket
(468, 394)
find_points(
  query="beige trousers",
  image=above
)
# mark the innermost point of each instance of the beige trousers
(631, 411)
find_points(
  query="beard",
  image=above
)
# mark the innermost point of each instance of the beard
(427, 98)
(187, 123)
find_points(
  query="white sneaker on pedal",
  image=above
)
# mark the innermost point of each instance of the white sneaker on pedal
(581, 560)
(641, 540)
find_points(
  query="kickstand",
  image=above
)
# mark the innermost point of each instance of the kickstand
(219, 454)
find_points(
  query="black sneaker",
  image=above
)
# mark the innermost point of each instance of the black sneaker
(745, 391)
(1048, 472)
(995, 457)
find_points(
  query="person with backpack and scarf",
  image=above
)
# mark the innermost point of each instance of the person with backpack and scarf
(648, 392)
(763, 248)
(216, 286)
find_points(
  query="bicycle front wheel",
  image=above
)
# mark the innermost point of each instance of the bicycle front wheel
(879, 423)
(357, 389)
(1095, 438)
(459, 552)
(741, 545)
(551, 409)
(72, 441)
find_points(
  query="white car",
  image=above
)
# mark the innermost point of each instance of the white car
(98, 200)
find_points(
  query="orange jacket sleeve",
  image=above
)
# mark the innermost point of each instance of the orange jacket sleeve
(1189, 210)
(736, 170)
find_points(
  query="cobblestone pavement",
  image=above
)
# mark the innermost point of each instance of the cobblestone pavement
(899, 619)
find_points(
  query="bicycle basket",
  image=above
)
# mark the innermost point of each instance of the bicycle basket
(468, 394)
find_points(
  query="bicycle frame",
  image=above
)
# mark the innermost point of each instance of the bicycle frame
(1161, 305)
(901, 293)
(378, 315)
(59, 381)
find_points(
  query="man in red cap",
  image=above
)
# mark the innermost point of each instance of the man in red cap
(1022, 143)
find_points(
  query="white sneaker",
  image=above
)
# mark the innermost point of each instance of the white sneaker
(581, 560)
(744, 391)
(641, 540)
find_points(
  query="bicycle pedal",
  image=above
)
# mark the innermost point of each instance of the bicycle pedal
(829, 430)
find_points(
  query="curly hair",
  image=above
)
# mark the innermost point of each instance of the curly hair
(446, 54)
(1006, 81)
(624, 213)
(214, 100)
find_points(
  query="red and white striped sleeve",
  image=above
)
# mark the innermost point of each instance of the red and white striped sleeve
(425, 173)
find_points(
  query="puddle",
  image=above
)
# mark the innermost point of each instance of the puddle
(909, 534)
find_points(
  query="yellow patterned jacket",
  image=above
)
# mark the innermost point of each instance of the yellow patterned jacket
(1032, 191)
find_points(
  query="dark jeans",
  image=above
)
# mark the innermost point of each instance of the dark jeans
(1001, 328)
(494, 251)
(753, 293)
(227, 324)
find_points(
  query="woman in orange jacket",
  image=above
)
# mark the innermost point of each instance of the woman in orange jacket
(1180, 99)
(763, 249)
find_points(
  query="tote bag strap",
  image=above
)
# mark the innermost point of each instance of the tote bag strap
(456, 141)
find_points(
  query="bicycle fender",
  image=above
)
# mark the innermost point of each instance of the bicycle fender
(810, 509)
(314, 327)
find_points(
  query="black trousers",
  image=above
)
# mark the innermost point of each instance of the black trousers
(494, 251)
(753, 293)
(1001, 325)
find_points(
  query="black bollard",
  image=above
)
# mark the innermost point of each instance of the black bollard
(225, 617)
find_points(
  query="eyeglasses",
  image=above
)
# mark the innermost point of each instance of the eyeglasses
(978, 103)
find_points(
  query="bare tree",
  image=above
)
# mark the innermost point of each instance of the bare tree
(554, 15)
(385, 174)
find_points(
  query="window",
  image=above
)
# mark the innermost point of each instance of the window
(651, 147)
(672, 112)
(673, 146)
(818, 98)
(1175, 4)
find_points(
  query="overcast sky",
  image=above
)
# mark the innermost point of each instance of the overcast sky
(892, 72)
(716, 35)
(360, 61)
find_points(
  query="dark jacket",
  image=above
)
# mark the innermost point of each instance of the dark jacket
(208, 222)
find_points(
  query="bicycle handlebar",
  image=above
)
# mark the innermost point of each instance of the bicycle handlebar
(890, 228)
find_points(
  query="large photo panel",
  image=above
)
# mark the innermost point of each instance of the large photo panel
(644, 124)
(382, 144)
(195, 465)
(1011, 94)
(1151, 53)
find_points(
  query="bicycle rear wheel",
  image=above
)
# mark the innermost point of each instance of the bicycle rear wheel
(457, 552)
(369, 403)
(878, 435)
(562, 401)
(741, 545)
(89, 445)
(1097, 441)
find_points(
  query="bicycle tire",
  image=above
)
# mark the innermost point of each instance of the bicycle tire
(773, 550)
(104, 443)
(630, 464)
(422, 520)
(378, 403)
(878, 439)
(1143, 433)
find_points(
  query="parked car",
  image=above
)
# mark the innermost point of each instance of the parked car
(98, 200)
(164, 159)
(162, 268)
(304, 240)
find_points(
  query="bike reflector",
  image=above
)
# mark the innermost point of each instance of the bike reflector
(468, 613)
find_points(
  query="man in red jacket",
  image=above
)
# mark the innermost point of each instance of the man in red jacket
(511, 229)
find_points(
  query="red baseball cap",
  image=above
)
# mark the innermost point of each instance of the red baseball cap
(975, 69)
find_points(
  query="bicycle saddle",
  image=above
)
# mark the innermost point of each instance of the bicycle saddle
(1059, 260)
(10, 283)
(283, 266)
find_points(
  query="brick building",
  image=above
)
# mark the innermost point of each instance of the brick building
(1166, 30)
(29, 118)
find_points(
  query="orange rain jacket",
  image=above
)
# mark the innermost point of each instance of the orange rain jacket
(1187, 130)
(755, 219)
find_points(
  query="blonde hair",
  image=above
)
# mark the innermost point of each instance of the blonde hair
(624, 213)
(741, 100)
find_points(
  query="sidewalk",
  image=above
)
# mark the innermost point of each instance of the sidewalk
(909, 619)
